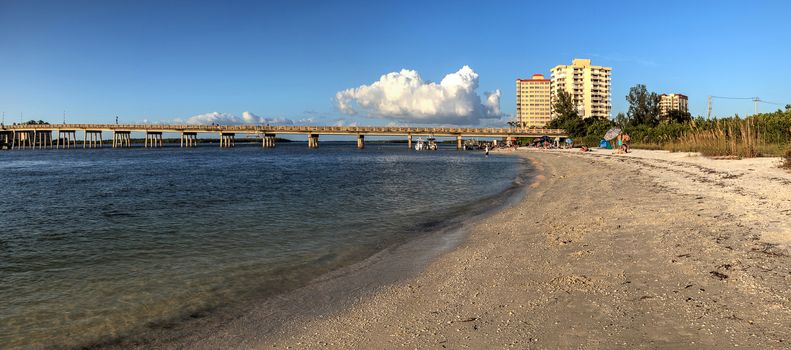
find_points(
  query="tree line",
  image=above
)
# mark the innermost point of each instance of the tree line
(647, 126)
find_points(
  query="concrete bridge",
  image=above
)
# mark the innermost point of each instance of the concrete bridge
(65, 135)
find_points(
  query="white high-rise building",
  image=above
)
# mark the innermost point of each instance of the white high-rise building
(672, 102)
(589, 87)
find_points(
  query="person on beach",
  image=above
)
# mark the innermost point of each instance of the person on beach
(624, 142)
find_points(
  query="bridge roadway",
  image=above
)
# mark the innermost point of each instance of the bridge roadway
(41, 136)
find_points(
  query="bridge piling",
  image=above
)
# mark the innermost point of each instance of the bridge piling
(93, 138)
(227, 140)
(409, 141)
(313, 141)
(360, 141)
(42, 139)
(188, 139)
(69, 138)
(269, 141)
(458, 142)
(153, 139)
(122, 139)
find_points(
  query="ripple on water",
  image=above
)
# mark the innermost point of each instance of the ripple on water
(96, 244)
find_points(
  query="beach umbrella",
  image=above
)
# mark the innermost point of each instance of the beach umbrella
(612, 133)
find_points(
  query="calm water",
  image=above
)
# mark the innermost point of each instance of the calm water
(96, 244)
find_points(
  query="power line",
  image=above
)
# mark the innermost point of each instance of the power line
(771, 103)
(734, 98)
(756, 100)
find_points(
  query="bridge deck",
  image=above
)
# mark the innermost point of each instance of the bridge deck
(316, 130)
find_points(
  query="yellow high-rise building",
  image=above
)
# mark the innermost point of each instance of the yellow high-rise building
(589, 87)
(533, 106)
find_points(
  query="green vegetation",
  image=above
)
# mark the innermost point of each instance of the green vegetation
(34, 122)
(766, 134)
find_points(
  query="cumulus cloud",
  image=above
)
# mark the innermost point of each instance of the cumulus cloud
(250, 118)
(405, 96)
(214, 117)
(344, 122)
(232, 119)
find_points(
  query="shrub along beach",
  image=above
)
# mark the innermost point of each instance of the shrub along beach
(765, 134)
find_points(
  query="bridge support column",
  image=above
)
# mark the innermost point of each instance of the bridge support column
(25, 139)
(409, 141)
(268, 141)
(188, 139)
(227, 140)
(4, 137)
(69, 138)
(458, 142)
(313, 141)
(93, 138)
(360, 141)
(122, 139)
(153, 139)
(46, 139)
(41, 138)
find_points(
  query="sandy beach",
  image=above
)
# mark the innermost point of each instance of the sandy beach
(645, 250)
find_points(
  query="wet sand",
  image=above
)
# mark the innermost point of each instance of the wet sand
(604, 251)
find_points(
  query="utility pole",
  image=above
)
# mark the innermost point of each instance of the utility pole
(755, 102)
(709, 114)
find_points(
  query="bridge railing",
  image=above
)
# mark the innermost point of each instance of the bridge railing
(289, 128)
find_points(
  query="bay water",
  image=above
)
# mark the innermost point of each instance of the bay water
(98, 244)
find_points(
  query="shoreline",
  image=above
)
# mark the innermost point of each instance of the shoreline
(260, 321)
(602, 253)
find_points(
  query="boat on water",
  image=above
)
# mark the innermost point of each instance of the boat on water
(428, 145)
(472, 144)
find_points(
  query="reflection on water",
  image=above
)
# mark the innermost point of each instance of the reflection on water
(95, 244)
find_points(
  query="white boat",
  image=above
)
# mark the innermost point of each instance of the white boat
(420, 145)
(430, 145)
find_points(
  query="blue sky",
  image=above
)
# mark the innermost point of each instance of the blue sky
(162, 61)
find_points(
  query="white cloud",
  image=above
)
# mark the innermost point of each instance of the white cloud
(405, 96)
(250, 118)
(214, 117)
(344, 122)
(231, 119)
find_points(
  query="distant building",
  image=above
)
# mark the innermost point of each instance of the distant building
(589, 87)
(533, 107)
(672, 102)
